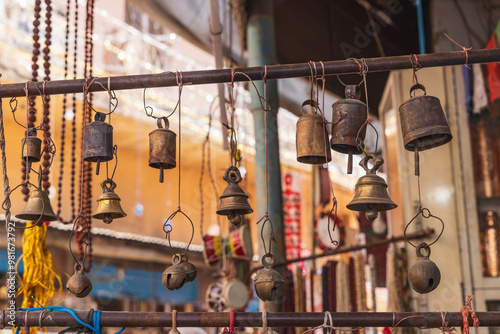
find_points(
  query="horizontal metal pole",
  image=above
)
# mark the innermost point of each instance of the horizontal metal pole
(254, 319)
(167, 79)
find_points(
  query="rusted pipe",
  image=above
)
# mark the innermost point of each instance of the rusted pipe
(166, 79)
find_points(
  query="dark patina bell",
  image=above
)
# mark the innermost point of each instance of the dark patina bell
(233, 201)
(312, 137)
(108, 204)
(189, 268)
(162, 143)
(175, 276)
(269, 284)
(38, 208)
(98, 141)
(32, 147)
(370, 194)
(424, 276)
(348, 132)
(78, 284)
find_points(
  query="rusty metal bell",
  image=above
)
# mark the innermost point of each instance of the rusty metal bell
(189, 268)
(162, 143)
(31, 147)
(233, 201)
(349, 116)
(78, 284)
(38, 208)
(370, 194)
(312, 137)
(175, 276)
(98, 141)
(108, 204)
(269, 284)
(424, 276)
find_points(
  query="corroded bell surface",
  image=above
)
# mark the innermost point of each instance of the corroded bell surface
(233, 200)
(162, 143)
(108, 204)
(32, 147)
(175, 276)
(312, 138)
(78, 284)
(189, 268)
(269, 284)
(38, 208)
(423, 122)
(370, 194)
(424, 276)
(98, 141)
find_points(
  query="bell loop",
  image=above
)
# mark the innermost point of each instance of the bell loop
(232, 175)
(268, 264)
(99, 117)
(417, 86)
(108, 185)
(160, 125)
(177, 258)
(311, 103)
(352, 92)
(377, 162)
(427, 249)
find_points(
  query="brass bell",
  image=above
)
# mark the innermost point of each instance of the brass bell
(370, 194)
(233, 201)
(348, 132)
(175, 276)
(269, 284)
(98, 141)
(32, 147)
(38, 208)
(189, 267)
(162, 142)
(78, 284)
(424, 276)
(108, 204)
(423, 123)
(312, 137)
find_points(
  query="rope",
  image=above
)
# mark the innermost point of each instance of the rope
(264, 329)
(231, 324)
(466, 310)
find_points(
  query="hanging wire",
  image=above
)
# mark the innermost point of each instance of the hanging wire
(426, 214)
(113, 101)
(149, 110)
(85, 240)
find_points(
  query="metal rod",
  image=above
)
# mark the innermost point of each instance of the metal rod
(167, 79)
(252, 319)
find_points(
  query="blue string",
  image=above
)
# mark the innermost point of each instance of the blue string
(96, 320)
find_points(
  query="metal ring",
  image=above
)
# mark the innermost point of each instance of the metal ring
(425, 246)
(426, 213)
(268, 256)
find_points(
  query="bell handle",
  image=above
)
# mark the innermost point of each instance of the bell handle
(232, 175)
(417, 86)
(99, 117)
(165, 120)
(311, 103)
(377, 162)
(31, 132)
(108, 185)
(269, 264)
(79, 268)
(352, 92)
(177, 258)
(423, 246)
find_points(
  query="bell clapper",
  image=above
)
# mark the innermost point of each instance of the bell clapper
(98, 167)
(235, 219)
(161, 174)
(371, 214)
(349, 161)
(417, 162)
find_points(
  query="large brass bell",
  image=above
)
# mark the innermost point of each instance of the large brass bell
(424, 276)
(312, 137)
(370, 194)
(78, 284)
(269, 284)
(233, 201)
(423, 123)
(175, 276)
(189, 267)
(162, 143)
(108, 204)
(38, 208)
(32, 147)
(348, 132)
(98, 141)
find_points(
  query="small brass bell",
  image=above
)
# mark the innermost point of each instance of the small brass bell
(175, 276)
(78, 284)
(423, 123)
(349, 115)
(189, 267)
(370, 194)
(312, 137)
(32, 147)
(98, 141)
(233, 201)
(108, 204)
(38, 208)
(269, 284)
(162, 143)
(424, 276)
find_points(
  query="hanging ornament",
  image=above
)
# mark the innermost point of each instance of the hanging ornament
(98, 141)
(312, 136)
(32, 147)
(269, 284)
(108, 204)
(424, 276)
(370, 194)
(214, 298)
(234, 200)
(175, 276)
(162, 143)
(348, 132)
(78, 284)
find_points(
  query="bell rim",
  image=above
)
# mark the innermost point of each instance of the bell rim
(305, 159)
(344, 148)
(348, 101)
(360, 207)
(166, 165)
(443, 134)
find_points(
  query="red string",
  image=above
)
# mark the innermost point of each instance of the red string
(394, 325)
(466, 50)
(231, 324)
(466, 310)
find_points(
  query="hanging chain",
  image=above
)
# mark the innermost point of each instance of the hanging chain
(46, 99)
